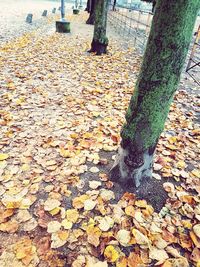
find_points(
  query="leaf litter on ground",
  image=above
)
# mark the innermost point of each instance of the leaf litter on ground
(61, 114)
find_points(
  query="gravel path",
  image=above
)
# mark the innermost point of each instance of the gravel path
(13, 15)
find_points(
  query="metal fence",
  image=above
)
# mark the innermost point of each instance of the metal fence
(134, 25)
(131, 23)
(193, 66)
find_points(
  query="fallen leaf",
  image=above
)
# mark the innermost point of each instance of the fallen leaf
(140, 238)
(72, 215)
(111, 254)
(94, 170)
(124, 237)
(94, 184)
(53, 227)
(66, 224)
(196, 229)
(89, 204)
(182, 262)
(3, 156)
(106, 223)
(51, 204)
(59, 239)
(93, 235)
(158, 254)
(9, 227)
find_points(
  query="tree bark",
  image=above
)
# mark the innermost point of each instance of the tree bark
(114, 4)
(153, 6)
(91, 18)
(100, 41)
(159, 76)
(88, 6)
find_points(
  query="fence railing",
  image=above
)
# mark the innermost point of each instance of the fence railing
(131, 23)
(135, 25)
(193, 65)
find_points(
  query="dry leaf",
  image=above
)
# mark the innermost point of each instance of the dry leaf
(106, 223)
(3, 156)
(140, 238)
(111, 254)
(51, 204)
(196, 229)
(89, 204)
(72, 215)
(53, 227)
(124, 237)
(158, 254)
(93, 235)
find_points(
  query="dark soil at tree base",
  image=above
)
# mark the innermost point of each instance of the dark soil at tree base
(152, 190)
(98, 48)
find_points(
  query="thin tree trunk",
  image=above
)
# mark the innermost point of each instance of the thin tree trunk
(100, 41)
(153, 6)
(88, 6)
(159, 76)
(91, 18)
(114, 4)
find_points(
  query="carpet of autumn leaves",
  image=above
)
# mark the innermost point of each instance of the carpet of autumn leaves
(61, 112)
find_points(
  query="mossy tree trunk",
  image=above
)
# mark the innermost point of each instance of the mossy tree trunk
(159, 77)
(100, 40)
(91, 18)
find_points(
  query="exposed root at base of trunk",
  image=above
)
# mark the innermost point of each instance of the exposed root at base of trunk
(98, 47)
(91, 19)
(132, 170)
(133, 173)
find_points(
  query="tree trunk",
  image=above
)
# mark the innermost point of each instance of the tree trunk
(114, 4)
(159, 76)
(100, 41)
(153, 6)
(91, 18)
(88, 6)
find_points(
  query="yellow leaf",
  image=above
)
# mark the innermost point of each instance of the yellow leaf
(141, 203)
(94, 234)
(78, 202)
(111, 254)
(51, 204)
(3, 156)
(130, 211)
(196, 173)
(65, 153)
(66, 224)
(122, 262)
(181, 164)
(55, 211)
(9, 227)
(140, 238)
(72, 215)
(63, 235)
(25, 167)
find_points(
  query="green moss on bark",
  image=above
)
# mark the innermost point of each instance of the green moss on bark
(164, 58)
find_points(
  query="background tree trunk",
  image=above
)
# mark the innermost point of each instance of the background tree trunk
(88, 6)
(114, 4)
(91, 18)
(153, 6)
(159, 76)
(100, 41)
